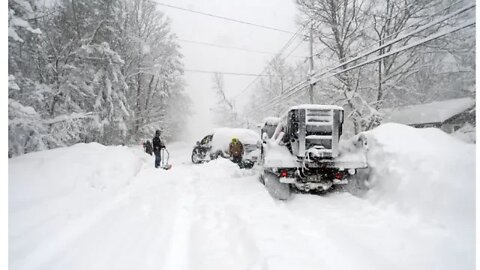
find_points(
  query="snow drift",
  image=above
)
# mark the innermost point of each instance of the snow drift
(426, 174)
(55, 195)
(105, 207)
(467, 133)
(422, 171)
(75, 165)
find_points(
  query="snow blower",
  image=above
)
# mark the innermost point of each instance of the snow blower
(164, 159)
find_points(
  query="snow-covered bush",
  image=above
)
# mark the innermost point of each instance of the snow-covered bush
(26, 131)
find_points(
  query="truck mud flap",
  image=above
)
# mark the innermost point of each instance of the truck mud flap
(277, 190)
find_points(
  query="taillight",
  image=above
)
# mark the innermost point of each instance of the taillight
(284, 173)
(339, 175)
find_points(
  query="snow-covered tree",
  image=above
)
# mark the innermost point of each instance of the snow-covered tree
(352, 27)
(106, 71)
(339, 26)
(26, 131)
(152, 69)
(224, 108)
(278, 77)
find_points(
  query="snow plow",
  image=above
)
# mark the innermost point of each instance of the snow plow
(304, 152)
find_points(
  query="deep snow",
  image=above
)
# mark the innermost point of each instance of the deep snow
(95, 207)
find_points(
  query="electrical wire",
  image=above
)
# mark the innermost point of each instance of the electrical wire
(394, 33)
(223, 17)
(230, 47)
(399, 38)
(223, 73)
(284, 47)
(435, 22)
(303, 84)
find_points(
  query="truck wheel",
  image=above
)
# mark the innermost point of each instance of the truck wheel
(277, 190)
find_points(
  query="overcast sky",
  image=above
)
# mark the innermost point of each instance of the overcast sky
(274, 13)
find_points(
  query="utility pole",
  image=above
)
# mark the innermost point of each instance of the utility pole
(310, 72)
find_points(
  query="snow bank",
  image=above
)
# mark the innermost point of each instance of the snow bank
(467, 133)
(62, 170)
(353, 151)
(218, 216)
(424, 173)
(55, 195)
(75, 175)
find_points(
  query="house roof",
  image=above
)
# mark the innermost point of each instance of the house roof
(434, 112)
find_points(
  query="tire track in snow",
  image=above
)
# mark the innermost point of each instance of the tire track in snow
(177, 257)
(220, 237)
(63, 239)
(60, 242)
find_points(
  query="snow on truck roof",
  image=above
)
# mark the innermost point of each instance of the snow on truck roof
(271, 120)
(316, 107)
(434, 112)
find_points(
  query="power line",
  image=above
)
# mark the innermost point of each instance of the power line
(397, 39)
(223, 18)
(394, 33)
(294, 49)
(369, 26)
(444, 18)
(303, 84)
(406, 47)
(231, 47)
(223, 73)
(285, 46)
(391, 42)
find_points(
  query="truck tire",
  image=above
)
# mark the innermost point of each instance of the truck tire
(277, 190)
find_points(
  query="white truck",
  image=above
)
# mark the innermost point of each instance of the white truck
(304, 154)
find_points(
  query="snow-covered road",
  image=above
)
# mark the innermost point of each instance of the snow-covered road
(209, 216)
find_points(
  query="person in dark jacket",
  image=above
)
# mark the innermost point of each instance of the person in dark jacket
(157, 146)
(147, 146)
(236, 150)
